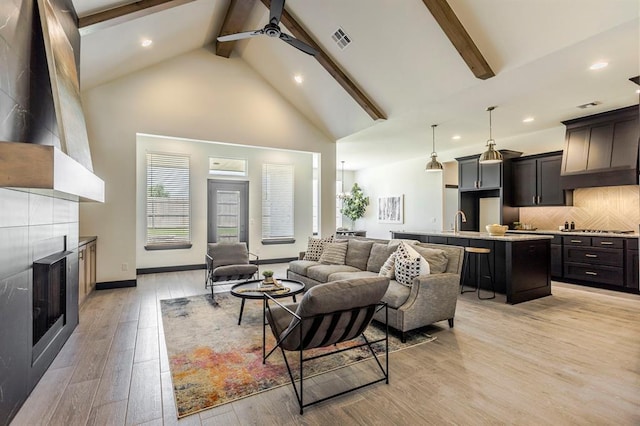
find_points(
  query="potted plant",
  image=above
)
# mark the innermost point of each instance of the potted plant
(354, 204)
(268, 277)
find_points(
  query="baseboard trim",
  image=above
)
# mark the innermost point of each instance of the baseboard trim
(179, 268)
(116, 284)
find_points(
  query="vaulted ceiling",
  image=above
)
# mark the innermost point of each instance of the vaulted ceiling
(410, 64)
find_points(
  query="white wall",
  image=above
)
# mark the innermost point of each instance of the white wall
(423, 196)
(198, 96)
(199, 153)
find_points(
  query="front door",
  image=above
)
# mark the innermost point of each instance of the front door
(228, 211)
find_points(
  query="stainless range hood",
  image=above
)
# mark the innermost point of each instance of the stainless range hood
(601, 150)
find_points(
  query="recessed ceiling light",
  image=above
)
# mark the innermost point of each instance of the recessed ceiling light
(638, 91)
(528, 120)
(598, 65)
(298, 78)
(146, 42)
(455, 137)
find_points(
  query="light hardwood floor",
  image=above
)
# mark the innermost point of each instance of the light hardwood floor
(571, 358)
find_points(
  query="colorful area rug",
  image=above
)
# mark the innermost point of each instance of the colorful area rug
(213, 360)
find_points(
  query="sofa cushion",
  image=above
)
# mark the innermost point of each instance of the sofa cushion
(348, 275)
(358, 253)
(300, 266)
(379, 254)
(389, 268)
(315, 246)
(437, 258)
(334, 253)
(409, 264)
(396, 294)
(321, 272)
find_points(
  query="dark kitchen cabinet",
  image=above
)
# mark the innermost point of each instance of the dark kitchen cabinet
(476, 176)
(556, 257)
(631, 264)
(477, 181)
(536, 181)
(602, 149)
(594, 259)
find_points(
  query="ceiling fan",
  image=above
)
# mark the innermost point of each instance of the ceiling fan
(272, 29)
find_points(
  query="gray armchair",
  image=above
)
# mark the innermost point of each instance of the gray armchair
(328, 314)
(228, 262)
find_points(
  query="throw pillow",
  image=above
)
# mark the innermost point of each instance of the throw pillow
(380, 252)
(436, 258)
(333, 253)
(358, 253)
(409, 264)
(314, 247)
(389, 268)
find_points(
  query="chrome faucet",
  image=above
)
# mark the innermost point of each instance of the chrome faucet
(463, 218)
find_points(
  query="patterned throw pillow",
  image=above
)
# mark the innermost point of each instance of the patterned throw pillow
(315, 246)
(334, 253)
(409, 264)
(388, 269)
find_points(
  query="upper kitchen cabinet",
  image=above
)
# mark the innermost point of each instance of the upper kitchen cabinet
(602, 149)
(474, 176)
(536, 181)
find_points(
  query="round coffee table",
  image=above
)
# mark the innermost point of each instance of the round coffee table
(296, 287)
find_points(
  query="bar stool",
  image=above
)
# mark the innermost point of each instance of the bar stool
(478, 253)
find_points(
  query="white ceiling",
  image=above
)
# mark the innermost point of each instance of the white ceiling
(539, 50)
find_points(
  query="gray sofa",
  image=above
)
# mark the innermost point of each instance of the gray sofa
(430, 299)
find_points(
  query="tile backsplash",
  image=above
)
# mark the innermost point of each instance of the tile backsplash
(608, 208)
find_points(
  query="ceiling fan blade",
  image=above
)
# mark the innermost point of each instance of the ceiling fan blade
(240, 36)
(275, 12)
(298, 44)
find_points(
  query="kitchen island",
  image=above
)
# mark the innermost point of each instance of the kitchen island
(520, 263)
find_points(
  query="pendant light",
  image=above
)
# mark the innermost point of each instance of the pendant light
(342, 195)
(490, 155)
(434, 165)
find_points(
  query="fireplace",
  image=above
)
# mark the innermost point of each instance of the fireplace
(49, 300)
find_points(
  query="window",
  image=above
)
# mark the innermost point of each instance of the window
(227, 166)
(168, 202)
(339, 203)
(277, 204)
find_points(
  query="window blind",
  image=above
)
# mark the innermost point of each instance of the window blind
(168, 201)
(277, 202)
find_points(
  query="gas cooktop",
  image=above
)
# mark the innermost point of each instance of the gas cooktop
(599, 231)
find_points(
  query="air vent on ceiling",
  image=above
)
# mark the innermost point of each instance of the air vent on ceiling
(589, 105)
(341, 38)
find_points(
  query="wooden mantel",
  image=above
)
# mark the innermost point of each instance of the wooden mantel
(31, 166)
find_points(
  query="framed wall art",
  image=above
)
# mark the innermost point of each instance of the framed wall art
(391, 209)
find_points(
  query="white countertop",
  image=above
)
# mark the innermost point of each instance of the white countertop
(586, 234)
(530, 236)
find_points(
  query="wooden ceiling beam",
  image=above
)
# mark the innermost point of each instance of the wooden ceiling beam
(234, 21)
(452, 27)
(328, 64)
(128, 12)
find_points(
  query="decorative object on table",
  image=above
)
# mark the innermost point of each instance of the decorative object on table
(491, 155)
(354, 204)
(434, 165)
(391, 209)
(268, 278)
(213, 361)
(496, 230)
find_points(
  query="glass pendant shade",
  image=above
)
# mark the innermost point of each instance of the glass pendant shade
(434, 165)
(491, 155)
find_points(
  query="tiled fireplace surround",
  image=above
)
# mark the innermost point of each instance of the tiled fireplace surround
(606, 208)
